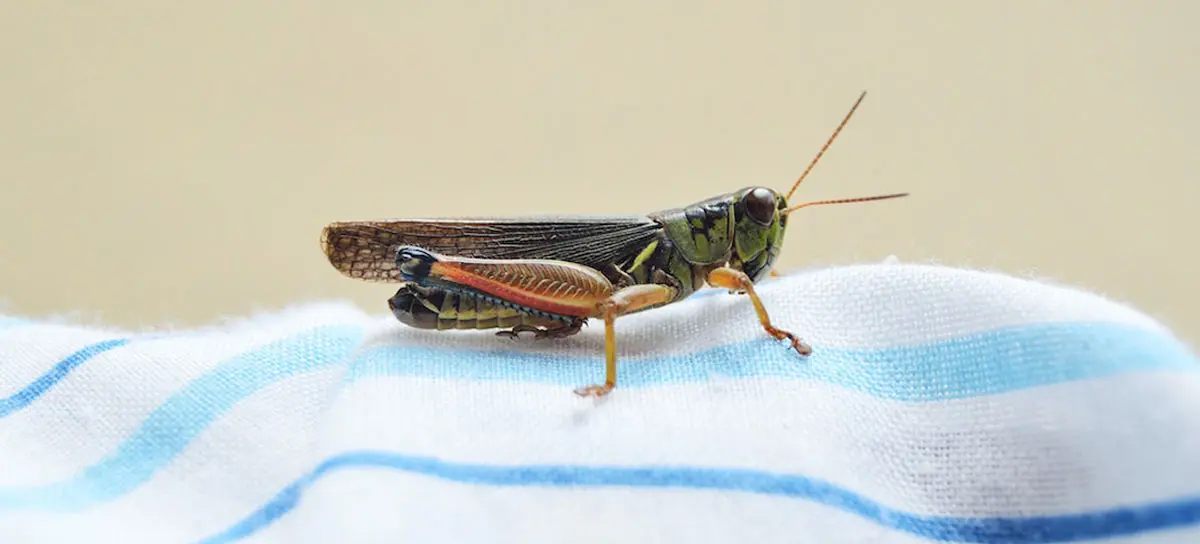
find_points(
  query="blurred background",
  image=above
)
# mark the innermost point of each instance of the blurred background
(173, 163)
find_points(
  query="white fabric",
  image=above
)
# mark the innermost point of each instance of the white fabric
(938, 405)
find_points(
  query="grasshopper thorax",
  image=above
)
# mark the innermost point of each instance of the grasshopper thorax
(742, 229)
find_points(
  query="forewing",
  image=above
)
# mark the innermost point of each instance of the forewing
(366, 250)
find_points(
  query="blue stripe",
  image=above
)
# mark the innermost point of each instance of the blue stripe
(169, 429)
(46, 381)
(1066, 528)
(976, 365)
(7, 322)
(56, 374)
(981, 364)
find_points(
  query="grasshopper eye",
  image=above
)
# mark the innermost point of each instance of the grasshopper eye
(759, 204)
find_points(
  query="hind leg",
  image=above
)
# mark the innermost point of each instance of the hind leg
(624, 301)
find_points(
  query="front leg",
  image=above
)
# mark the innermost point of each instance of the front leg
(624, 301)
(736, 280)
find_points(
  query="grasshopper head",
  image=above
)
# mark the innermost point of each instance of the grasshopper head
(761, 215)
(759, 219)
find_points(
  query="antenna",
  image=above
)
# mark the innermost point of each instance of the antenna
(842, 201)
(827, 144)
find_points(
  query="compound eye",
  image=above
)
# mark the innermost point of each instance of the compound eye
(760, 205)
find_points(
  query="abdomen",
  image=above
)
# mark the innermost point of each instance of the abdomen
(433, 308)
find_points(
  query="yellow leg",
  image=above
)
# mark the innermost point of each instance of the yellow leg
(624, 301)
(738, 280)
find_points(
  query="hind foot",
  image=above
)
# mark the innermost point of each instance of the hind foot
(543, 332)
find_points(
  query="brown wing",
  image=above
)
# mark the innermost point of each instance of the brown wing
(366, 250)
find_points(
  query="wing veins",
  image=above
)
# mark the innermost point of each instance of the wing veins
(366, 250)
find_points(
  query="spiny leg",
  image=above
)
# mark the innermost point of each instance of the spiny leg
(738, 280)
(563, 331)
(624, 301)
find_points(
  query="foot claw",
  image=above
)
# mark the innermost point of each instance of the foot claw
(799, 346)
(594, 391)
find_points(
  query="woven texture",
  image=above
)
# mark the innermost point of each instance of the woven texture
(938, 405)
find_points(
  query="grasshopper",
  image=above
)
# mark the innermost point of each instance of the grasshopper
(549, 275)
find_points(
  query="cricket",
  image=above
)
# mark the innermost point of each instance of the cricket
(549, 275)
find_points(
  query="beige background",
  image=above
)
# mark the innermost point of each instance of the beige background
(174, 162)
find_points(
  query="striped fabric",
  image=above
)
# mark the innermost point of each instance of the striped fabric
(938, 405)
